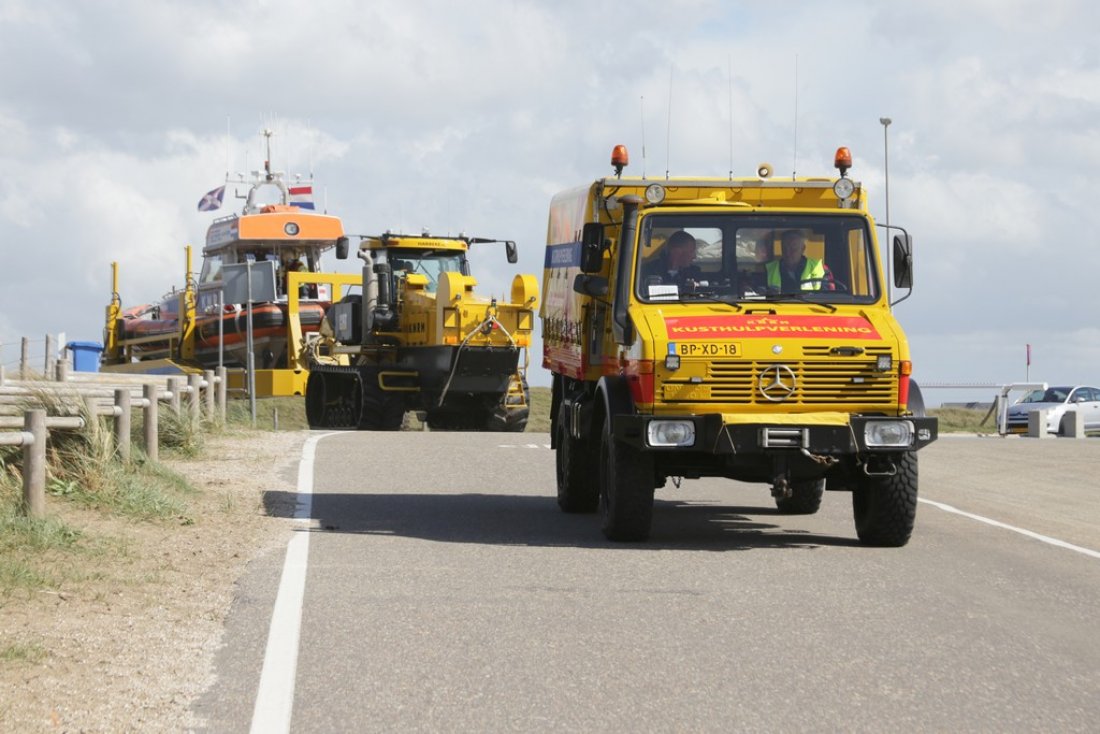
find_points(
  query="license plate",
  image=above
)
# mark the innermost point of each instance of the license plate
(708, 349)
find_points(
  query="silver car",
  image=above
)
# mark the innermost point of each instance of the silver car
(1056, 401)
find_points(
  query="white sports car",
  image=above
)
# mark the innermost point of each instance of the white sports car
(1056, 401)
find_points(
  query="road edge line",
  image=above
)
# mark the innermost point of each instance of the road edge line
(275, 692)
(1004, 526)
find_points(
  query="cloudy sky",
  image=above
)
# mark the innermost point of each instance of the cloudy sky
(116, 116)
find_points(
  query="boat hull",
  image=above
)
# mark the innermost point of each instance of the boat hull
(223, 340)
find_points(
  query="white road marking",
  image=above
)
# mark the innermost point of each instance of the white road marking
(1029, 533)
(523, 446)
(275, 696)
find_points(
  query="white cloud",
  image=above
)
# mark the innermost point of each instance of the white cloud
(468, 118)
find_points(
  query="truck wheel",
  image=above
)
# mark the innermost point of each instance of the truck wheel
(885, 507)
(578, 485)
(380, 411)
(805, 498)
(626, 489)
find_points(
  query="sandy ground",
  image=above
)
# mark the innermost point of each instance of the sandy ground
(132, 648)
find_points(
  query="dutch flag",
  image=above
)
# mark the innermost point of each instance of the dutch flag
(301, 196)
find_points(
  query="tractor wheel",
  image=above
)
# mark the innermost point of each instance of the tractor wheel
(315, 400)
(380, 410)
(505, 417)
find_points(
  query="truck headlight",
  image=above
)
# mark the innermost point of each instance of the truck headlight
(671, 433)
(892, 434)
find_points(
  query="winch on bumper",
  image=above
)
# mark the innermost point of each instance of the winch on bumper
(827, 434)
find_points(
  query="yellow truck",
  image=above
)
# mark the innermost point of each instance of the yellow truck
(418, 338)
(739, 328)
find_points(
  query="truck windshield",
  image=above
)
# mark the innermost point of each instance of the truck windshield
(426, 262)
(742, 257)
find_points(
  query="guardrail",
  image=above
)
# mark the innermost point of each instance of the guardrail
(76, 394)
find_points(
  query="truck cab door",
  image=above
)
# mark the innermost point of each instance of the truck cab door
(596, 327)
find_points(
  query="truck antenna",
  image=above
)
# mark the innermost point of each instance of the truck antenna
(668, 129)
(642, 105)
(794, 163)
(729, 62)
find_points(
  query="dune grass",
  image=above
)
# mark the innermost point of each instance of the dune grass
(83, 471)
(964, 420)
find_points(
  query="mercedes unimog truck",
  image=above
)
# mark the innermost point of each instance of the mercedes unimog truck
(768, 353)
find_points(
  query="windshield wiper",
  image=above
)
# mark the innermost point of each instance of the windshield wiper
(796, 297)
(711, 298)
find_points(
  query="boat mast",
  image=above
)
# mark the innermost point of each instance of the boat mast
(272, 178)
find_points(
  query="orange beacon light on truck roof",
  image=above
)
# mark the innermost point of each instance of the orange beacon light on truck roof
(619, 159)
(843, 159)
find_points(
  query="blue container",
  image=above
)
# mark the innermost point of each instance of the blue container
(85, 355)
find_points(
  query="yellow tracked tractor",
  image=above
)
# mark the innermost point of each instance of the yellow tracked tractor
(418, 338)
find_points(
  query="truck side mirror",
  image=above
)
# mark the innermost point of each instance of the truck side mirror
(590, 285)
(903, 261)
(592, 247)
(342, 244)
(511, 251)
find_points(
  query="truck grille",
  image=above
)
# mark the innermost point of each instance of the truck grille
(820, 382)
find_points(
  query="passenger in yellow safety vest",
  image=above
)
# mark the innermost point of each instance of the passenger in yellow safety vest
(793, 272)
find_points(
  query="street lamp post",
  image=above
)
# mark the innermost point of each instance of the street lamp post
(886, 160)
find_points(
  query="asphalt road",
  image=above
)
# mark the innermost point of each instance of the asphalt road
(444, 591)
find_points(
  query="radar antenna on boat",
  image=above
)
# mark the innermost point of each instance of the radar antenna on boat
(260, 180)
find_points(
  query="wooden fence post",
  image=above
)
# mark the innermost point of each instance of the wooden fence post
(122, 423)
(223, 387)
(175, 386)
(51, 356)
(34, 464)
(208, 395)
(24, 358)
(152, 450)
(195, 398)
(61, 370)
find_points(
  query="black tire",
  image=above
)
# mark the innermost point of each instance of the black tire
(626, 489)
(885, 507)
(511, 419)
(380, 410)
(805, 498)
(578, 474)
(315, 400)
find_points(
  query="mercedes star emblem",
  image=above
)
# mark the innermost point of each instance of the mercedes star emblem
(777, 382)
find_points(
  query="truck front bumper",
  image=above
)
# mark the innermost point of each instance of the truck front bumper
(827, 434)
